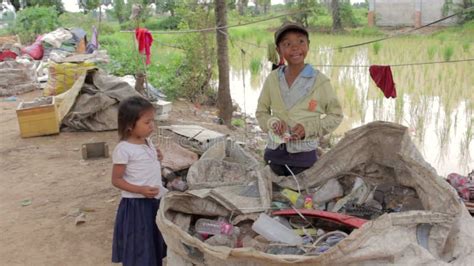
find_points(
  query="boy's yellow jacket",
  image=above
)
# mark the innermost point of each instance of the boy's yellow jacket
(319, 111)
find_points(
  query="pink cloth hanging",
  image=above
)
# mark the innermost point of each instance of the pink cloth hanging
(382, 76)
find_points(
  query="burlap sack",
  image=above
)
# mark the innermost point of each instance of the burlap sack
(442, 234)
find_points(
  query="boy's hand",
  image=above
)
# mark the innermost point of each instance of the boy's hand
(279, 127)
(149, 192)
(160, 155)
(297, 132)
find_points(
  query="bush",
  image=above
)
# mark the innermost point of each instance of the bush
(129, 25)
(33, 21)
(166, 23)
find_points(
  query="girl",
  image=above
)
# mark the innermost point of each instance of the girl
(137, 172)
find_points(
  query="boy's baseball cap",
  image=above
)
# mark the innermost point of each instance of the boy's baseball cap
(287, 26)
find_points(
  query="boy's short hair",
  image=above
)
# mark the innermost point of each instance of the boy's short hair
(289, 27)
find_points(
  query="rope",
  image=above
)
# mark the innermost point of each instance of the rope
(224, 27)
(405, 33)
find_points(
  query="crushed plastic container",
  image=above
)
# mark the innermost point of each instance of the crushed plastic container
(206, 226)
(274, 231)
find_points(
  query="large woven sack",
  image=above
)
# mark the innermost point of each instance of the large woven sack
(62, 76)
(441, 234)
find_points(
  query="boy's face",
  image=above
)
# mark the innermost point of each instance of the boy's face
(293, 46)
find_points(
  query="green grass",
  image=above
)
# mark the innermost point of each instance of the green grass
(255, 65)
(377, 46)
(432, 51)
(466, 46)
(238, 122)
(448, 52)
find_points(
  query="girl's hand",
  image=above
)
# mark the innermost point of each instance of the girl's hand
(149, 192)
(160, 155)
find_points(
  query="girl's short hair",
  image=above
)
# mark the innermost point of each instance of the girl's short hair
(130, 110)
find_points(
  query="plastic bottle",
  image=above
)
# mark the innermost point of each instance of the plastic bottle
(212, 227)
(274, 231)
(294, 197)
(231, 241)
(308, 202)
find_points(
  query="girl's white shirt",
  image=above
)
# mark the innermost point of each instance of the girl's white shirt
(142, 166)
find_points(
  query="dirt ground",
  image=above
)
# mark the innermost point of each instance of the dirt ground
(50, 172)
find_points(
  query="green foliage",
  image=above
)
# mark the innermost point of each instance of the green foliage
(124, 59)
(238, 122)
(57, 4)
(367, 32)
(89, 5)
(119, 10)
(432, 51)
(448, 52)
(164, 23)
(465, 46)
(167, 6)
(311, 6)
(348, 18)
(32, 21)
(192, 79)
(449, 7)
(377, 46)
(86, 21)
(255, 65)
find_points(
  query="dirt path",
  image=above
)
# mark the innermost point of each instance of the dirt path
(50, 172)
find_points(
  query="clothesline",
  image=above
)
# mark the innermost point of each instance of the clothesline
(223, 27)
(405, 33)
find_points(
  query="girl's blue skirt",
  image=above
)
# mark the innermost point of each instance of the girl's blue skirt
(137, 240)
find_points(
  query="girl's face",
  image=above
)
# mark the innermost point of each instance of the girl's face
(293, 47)
(144, 125)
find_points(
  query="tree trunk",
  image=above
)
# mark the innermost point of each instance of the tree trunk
(336, 17)
(224, 101)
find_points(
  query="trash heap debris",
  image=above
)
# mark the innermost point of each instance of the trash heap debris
(371, 199)
(464, 185)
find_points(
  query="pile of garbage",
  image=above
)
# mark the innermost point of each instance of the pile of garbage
(57, 58)
(371, 199)
(464, 186)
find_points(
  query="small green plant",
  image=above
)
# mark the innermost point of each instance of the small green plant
(465, 46)
(238, 122)
(377, 46)
(442, 38)
(448, 52)
(255, 65)
(432, 51)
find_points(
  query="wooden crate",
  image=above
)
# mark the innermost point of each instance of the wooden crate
(38, 118)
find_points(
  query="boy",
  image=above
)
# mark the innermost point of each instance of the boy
(297, 105)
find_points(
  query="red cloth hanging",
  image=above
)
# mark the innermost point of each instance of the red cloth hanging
(382, 76)
(145, 40)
